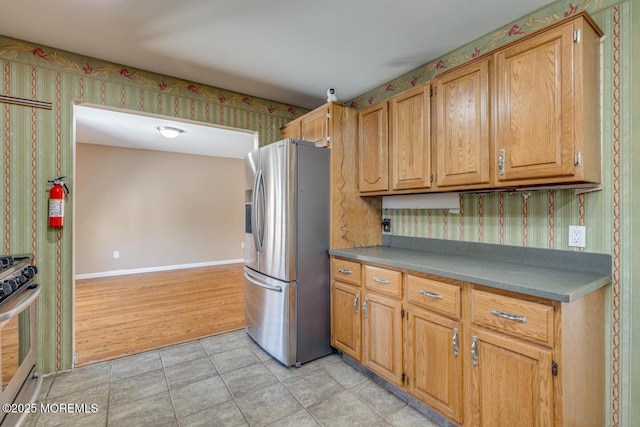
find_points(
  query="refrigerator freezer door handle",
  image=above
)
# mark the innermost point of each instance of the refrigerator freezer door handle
(262, 285)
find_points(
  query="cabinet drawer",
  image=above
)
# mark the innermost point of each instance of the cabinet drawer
(388, 282)
(433, 295)
(346, 271)
(523, 319)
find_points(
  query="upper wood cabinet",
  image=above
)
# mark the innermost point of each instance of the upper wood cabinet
(291, 130)
(527, 114)
(316, 126)
(462, 127)
(547, 107)
(410, 140)
(373, 148)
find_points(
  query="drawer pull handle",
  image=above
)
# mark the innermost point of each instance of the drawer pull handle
(474, 350)
(509, 316)
(381, 281)
(455, 342)
(355, 304)
(430, 294)
(345, 271)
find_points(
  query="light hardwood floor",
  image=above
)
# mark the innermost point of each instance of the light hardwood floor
(123, 315)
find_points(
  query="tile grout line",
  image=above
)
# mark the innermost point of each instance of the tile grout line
(166, 380)
(233, 398)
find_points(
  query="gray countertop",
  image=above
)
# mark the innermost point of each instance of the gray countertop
(563, 276)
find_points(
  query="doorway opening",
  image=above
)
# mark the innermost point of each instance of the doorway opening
(158, 228)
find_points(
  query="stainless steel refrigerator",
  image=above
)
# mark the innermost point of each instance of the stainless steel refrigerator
(286, 273)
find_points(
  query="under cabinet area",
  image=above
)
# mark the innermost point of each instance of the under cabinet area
(478, 356)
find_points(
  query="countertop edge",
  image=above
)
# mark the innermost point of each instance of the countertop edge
(579, 291)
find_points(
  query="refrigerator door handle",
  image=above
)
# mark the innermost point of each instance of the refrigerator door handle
(255, 212)
(263, 206)
(262, 285)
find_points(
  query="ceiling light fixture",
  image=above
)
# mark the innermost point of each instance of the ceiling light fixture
(169, 132)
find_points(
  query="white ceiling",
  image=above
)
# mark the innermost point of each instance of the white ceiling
(284, 50)
(98, 125)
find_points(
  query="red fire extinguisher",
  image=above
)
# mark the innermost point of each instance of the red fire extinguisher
(56, 202)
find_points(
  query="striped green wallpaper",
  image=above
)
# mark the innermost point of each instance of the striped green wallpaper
(38, 145)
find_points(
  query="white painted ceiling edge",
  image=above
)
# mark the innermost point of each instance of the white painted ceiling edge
(124, 128)
(287, 50)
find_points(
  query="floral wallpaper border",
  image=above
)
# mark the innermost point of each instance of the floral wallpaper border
(486, 44)
(69, 62)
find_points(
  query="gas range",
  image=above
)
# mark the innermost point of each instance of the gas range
(20, 381)
(17, 273)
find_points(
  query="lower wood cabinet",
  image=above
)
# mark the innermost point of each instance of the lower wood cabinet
(512, 381)
(345, 319)
(477, 355)
(434, 361)
(382, 335)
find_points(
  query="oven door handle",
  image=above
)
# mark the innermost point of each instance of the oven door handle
(26, 301)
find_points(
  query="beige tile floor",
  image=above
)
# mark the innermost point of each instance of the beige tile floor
(226, 380)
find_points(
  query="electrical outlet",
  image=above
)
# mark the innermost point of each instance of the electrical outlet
(386, 225)
(577, 236)
(116, 254)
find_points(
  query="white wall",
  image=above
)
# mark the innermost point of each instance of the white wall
(157, 209)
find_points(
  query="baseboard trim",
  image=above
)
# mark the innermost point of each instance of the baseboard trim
(154, 269)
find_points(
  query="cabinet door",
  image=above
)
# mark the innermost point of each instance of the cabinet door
(435, 362)
(410, 139)
(314, 127)
(345, 319)
(535, 107)
(373, 148)
(512, 381)
(382, 326)
(291, 130)
(462, 137)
